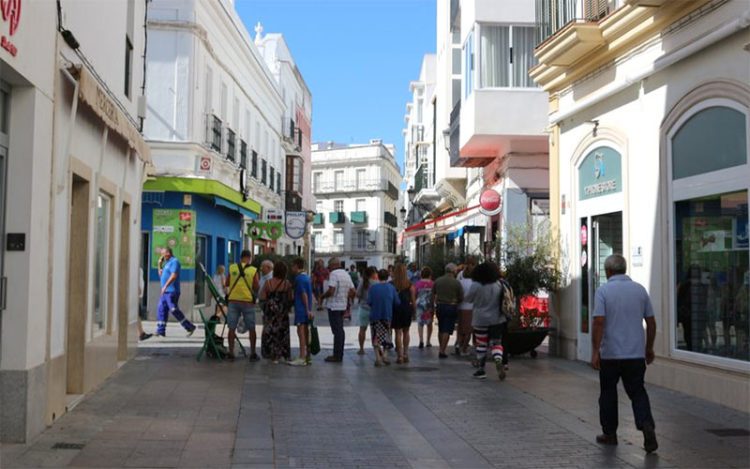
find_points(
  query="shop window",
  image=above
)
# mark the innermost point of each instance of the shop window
(711, 270)
(713, 139)
(101, 264)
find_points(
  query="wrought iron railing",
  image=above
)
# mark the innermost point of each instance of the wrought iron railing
(554, 15)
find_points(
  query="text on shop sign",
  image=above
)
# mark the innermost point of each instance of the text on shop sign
(10, 10)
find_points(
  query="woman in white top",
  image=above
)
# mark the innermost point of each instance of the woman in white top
(463, 338)
(219, 280)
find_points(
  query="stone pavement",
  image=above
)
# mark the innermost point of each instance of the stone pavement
(164, 409)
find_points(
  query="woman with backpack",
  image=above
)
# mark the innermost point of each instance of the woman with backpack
(277, 295)
(488, 319)
(425, 308)
(369, 278)
(403, 314)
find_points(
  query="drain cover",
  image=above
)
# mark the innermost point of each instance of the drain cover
(63, 445)
(417, 369)
(729, 431)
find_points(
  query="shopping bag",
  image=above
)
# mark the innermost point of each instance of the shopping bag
(314, 344)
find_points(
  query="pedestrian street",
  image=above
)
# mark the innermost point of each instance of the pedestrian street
(165, 409)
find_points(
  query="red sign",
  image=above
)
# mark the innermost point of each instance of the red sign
(584, 235)
(490, 202)
(186, 216)
(10, 10)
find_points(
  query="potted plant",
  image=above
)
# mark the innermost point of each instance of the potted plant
(531, 266)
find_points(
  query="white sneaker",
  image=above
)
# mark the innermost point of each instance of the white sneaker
(297, 362)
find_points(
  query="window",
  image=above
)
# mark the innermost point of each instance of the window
(420, 104)
(360, 204)
(338, 181)
(507, 54)
(209, 90)
(243, 154)
(708, 159)
(294, 174)
(338, 238)
(215, 133)
(278, 182)
(338, 206)
(693, 153)
(318, 240)
(231, 144)
(316, 181)
(263, 171)
(224, 98)
(362, 239)
(469, 65)
(456, 61)
(101, 264)
(271, 178)
(254, 165)
(128, 66)
(361, 178)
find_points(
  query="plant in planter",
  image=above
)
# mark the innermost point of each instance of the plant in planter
(531, 264)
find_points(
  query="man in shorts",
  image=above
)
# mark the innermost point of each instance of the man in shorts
(447, 294)
(303, 313)
(242, 282)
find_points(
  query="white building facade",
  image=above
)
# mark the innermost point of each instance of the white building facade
(220, 132)
(72, 161)
(649, 158)
(356, 191)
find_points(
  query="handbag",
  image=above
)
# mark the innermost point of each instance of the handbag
(314, 345)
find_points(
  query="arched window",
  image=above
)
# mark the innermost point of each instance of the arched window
(708, 158)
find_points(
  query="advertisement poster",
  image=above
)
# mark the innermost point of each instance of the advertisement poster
(176, 229)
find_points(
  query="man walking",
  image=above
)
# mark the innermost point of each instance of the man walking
(620, 350)
(169, 271)
(303, 302)
(339, 290)
(241, 283)
(447, 294)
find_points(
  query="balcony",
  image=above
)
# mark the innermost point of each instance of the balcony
(318, 219)
(390, 219)
(423, 192)
(337, 218)
(351, 186)
(359, 217)
(498, 121)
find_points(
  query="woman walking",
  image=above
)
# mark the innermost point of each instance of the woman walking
(277, 294)
(369, 278)
(382, 298)
(463, 337)
(320, 275)
(487, 318)
(404, 313)
(425, 308)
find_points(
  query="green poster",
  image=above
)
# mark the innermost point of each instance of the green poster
(176, 229)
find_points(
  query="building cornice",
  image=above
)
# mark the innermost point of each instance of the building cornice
(580, 49)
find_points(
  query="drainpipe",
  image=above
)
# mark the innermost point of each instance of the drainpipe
(660, 64)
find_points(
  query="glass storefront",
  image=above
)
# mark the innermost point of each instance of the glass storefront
(711, 270)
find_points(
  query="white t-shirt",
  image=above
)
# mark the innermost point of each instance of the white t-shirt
(466, 285)
(342, 282)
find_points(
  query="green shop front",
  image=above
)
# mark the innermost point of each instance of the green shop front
(203, 221)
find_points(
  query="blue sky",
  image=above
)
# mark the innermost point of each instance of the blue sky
(357, 57)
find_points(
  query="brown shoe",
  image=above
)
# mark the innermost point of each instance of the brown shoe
(605, 439)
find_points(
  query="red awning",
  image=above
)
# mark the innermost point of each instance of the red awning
(441, 218)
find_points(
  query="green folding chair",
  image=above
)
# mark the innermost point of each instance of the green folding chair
(220, 301)
(209, 344)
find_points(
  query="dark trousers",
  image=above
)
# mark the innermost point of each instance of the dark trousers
(632, 373)
(336, 319)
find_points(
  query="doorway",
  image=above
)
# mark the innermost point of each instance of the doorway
(201, 256)
(144, 273)
(123, 290)
(78, 273)
(600, 237)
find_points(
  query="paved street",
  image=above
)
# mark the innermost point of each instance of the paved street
(164, 409)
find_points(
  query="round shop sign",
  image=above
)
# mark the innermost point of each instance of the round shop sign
(490, 202)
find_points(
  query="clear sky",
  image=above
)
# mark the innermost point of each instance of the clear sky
(357, 57)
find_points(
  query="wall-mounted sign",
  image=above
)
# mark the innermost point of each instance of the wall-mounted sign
(296, 224)
(584, 235)
(10, 11)
(600, 173)
(259, 230)
(274, 215)
(204, 165)
(490, 203)
(174, 229)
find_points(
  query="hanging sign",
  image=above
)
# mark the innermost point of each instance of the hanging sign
(490, 203)
(296, 224)
(10, 11)
(600, 173)
(174, 229)
(258, 230)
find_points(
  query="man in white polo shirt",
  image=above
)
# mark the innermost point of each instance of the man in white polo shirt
(622, 350)
(338, 290)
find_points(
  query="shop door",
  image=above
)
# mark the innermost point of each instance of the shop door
(4, 124)
(606, 239)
